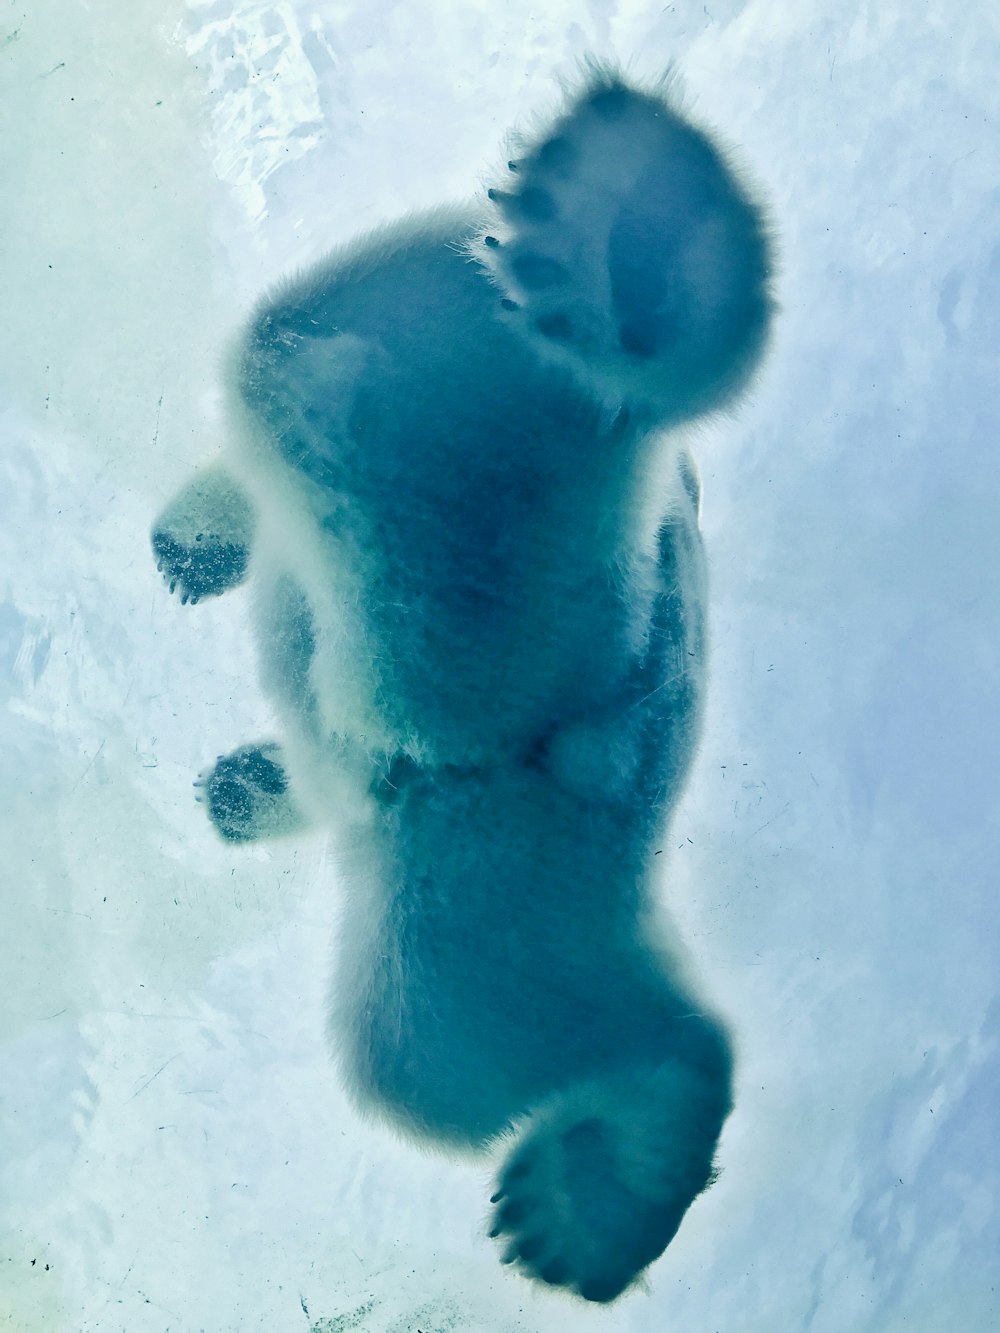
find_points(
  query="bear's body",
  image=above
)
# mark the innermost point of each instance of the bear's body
(481, 622)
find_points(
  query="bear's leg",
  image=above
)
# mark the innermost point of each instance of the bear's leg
(639, 749)
(505, 983)
(606, 1167)
(202, 539)
(248, 796)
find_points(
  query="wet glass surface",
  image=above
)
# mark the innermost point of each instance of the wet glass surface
(176, 1151)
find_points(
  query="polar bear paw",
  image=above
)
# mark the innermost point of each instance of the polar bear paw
(206, 568)
(247, 794)
(202, 539)
(625, 248)
(589, 1197)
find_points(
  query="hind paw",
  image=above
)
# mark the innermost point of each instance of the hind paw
(602, 1177)
(565, 1215)
(626, 249)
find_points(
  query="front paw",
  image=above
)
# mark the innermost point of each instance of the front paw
(247, 794)
(206, 568)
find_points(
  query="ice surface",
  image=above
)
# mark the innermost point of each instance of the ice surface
(174, 1150)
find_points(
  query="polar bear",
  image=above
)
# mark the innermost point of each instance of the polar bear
(457, 485)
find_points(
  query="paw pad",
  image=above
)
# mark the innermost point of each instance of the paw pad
(241, 788)
(205, 569)
(555, 326)
(532, 204)
(536, 272)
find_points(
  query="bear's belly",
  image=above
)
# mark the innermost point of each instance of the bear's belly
(484, 671)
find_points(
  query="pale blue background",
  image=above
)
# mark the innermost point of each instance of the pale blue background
(174, 1151)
